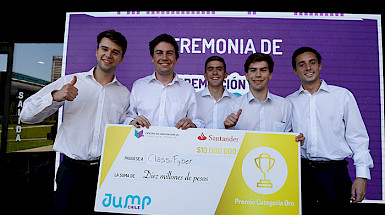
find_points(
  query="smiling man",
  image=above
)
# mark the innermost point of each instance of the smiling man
(163, 99)
(213, 100)
(91, 100)
(329, 118)
(259, 110)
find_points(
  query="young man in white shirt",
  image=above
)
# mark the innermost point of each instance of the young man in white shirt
(329, 118)
(163, 99)
(91, 99)
(213, 100)
(259, 110)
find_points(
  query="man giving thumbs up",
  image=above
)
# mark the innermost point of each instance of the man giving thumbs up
(67, 92)
(91, 100)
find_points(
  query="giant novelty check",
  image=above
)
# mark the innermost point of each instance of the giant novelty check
(198, 171)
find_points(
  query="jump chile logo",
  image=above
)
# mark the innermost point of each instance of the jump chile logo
(136, 202)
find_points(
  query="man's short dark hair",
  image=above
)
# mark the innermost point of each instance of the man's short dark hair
(115, 36)
(301, 51)
(257, 57)
(217, 58)
(163, 38)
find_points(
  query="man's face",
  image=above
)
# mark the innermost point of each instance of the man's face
(164, 58)
(108, 55)
(258, 75)
(215, 73)
(307, 67)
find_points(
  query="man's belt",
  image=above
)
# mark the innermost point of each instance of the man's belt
(322, 164)
(81, 162)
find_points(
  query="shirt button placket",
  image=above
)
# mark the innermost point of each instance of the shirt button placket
(98, 122)
(162, 106)
(313, 126)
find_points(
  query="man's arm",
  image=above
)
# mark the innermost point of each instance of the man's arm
(132, 117)
(357, 138)
(194, 118)
(42, 104)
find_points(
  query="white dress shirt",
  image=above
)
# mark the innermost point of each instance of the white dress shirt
(80, 136)
(274, 114)
(213, 111)
(332, 125)
(163, 105)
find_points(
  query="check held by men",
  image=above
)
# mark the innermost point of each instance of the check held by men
(165, 170)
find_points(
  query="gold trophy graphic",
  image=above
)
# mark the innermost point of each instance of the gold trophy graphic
(264, 163)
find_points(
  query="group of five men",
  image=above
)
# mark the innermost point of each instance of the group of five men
(328, 116)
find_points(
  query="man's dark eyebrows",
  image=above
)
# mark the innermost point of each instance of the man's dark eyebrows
(106, 47)
(311, 60)
(265, 67)
(159, 50)
(117, 51)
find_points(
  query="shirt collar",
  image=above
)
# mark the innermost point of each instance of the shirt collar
(175, 79)
(324, 87)
(226, 93)
(206, 92)
(90, 74)
(115, 80)
(250, 97)
(152, 77)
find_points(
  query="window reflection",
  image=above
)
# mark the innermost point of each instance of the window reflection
(34, 66)
(3, 62)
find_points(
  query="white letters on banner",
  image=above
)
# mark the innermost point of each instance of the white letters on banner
(222, 46)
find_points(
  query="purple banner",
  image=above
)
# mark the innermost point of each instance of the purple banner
(349, 45)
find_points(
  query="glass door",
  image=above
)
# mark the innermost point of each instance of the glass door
(6, 61)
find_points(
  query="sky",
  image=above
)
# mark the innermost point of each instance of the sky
(35, 59)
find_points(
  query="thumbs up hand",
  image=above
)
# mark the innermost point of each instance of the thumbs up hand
(74, 80)
(67, 92)
(232, 119)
